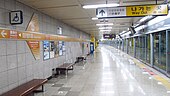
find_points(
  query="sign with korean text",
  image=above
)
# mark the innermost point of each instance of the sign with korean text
(147, 10)
(111, 12)
(36, 36)
(13, 34)
(34, 45)
(109, 36)
(131, 11)
(106, 36)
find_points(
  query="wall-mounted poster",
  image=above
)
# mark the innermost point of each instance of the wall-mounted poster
(46, 49)
(56, 49)
(60, 45)
(52, 49)
(64, 48)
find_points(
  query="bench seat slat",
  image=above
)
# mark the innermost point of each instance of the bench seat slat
(65, 66)
(26, 88)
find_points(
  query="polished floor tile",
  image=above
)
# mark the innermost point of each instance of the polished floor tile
(64, 89)
(108, 72)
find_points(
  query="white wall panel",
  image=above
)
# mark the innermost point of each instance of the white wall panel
(17, 64)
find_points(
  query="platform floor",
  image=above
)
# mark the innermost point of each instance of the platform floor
(109, 72)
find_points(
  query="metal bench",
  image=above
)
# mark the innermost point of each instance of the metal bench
(81, 58)
(27, 88)
(64, 68)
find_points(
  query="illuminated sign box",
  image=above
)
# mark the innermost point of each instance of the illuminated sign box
(147, 10)
(131, 11)
(109, 36)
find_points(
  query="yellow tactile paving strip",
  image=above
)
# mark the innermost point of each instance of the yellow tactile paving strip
(157, 77)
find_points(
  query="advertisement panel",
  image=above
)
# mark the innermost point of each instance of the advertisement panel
(52, 49)
(46, 50)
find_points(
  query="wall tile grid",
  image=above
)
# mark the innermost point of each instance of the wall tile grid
(17, 64)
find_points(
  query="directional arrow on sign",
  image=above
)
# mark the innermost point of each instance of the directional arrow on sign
(20, 35)
(102, 12)
(3, 33)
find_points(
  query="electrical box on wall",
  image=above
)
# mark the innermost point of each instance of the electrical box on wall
(16, 17)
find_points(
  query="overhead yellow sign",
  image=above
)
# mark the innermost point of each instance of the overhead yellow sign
(144, 10)
(131, 11)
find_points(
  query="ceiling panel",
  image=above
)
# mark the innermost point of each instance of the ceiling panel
(79, 21)
(51, 3)
(66, 12)
(71, 12)
(90, 2)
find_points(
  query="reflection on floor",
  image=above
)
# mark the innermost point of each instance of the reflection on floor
(106, 73)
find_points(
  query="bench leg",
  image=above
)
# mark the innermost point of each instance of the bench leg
(31, 94)
(42, 89)
(72, 67)
(57, 72)
(66, 72)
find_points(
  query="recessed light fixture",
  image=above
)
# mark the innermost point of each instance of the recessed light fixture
(101, 28)
(100, 5)
(159, 83)
(94, 18)
(103, 24)
(168, 92)
(104, 30)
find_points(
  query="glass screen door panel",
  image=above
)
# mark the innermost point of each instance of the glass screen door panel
(131, 47)
(156, 49)
(138, 47)
(148, 49)
(168, 51)
(160, 50)
(142, 48)
(125, 47)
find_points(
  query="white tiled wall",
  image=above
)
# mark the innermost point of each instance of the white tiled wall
(17, 64)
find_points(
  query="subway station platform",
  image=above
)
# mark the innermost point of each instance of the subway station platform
(41, 39)
(109, 72)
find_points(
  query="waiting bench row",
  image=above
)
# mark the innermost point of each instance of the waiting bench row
(30, 87)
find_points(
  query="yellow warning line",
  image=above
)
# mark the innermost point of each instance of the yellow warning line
(164, 81)
(157, 77)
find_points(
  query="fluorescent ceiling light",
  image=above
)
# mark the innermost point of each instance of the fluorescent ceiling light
(99, 5)
(103, 24)
(101, 28)
(145, 18)
(94, 18)
(104, 30)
